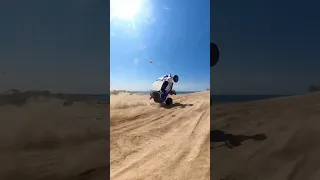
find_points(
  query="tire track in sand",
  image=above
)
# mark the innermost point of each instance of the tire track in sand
(152, 142)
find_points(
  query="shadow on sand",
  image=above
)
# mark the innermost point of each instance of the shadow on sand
(176, 105)
(231, 140)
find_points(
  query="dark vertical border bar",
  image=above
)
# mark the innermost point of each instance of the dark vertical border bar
(45, 47)
(107, 116)
(107, 2)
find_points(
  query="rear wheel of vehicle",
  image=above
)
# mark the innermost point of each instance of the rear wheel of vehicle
(156, 96)
(169, 101)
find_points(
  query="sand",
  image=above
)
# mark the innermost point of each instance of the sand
(287, 145)
(42, 139)
(276, 139)
(149, 141)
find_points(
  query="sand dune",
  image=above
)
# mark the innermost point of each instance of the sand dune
(148, 141)
(42, 139)
(290, 147)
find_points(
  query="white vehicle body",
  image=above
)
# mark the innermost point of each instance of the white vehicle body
(156, 86)
(162, 88)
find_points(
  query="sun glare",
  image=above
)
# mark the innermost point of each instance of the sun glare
(124, 9)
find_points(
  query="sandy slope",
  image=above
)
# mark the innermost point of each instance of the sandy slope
(46, 140)
(291, 150)
(152, 142)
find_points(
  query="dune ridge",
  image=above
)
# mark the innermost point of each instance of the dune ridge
(149, 141)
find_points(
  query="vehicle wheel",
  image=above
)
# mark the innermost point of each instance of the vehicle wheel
(156, 96)
(168, 101)
(175, 78)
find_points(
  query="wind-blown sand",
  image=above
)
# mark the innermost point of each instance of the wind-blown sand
(148, 141)
(287, 145)
(42, 139)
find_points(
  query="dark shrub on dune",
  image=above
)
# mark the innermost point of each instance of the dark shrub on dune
(115, 92)
(18, 98)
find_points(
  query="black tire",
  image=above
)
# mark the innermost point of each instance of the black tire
(169, 101)
(156, 96)
(175, 78)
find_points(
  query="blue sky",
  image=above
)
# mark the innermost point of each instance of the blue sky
(173, 34)
(266, 47)
(61, 46)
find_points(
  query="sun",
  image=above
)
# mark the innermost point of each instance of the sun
(124, 9)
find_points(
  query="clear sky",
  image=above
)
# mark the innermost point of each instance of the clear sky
(59, 45)
(173, 34)
(266, 47)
